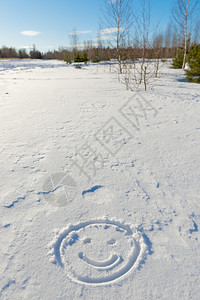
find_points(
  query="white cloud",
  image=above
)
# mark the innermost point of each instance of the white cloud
(30, 33)
(26, 47)
(80, 32)
(110, 30)
(94, 44)
(84, 45)
(105, 38)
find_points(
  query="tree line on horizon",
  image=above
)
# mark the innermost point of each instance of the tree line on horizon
(131, 35)
(96, 54)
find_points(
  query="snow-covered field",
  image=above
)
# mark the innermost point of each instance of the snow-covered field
(99, 186)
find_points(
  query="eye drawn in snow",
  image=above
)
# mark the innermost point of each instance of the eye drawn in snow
(99, 251)
(92, 190)
(59, 189)
(98, 194)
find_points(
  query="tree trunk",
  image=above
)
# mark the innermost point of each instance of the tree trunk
(145, 78)
(185, 34)
(179, 32)
(118, 33)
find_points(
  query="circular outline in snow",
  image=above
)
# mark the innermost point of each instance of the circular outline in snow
(63, 239)
(59, 189)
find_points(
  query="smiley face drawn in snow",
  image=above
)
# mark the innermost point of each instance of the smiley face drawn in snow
(98, 251)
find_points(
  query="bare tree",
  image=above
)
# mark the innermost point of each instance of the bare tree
(6, 52)
(117, 19)
(144, 28)
(168, 40)
(144, 69)
(174, 39)
(182, 14)
(185, 10)
(157, 48)
(139, 72)
(74, 41)
(177, 21)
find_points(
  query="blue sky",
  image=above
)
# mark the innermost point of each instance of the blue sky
(52, 21)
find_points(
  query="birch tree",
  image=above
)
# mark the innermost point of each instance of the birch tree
(182, 14)
(117, 19)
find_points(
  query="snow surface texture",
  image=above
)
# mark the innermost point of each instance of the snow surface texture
(99, 185)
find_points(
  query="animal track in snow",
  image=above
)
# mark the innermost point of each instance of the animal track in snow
(99, 251)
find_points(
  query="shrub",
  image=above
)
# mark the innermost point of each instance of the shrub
(78, 66)
(95, 59)
(106, 58)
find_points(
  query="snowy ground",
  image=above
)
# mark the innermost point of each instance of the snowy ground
(99, 186)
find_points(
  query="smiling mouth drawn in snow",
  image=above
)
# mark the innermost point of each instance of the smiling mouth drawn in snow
(98, 251)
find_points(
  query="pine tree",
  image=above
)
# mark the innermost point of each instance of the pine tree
(77, 57)
(68, 59)
(193, 73)
(178, 61)
(84, 57)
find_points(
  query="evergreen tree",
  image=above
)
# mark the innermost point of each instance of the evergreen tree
(77, 57)
(68, 59)
(178, 61)
(193, 58)
(84, 57)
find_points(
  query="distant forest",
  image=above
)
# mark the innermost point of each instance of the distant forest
(93, 53)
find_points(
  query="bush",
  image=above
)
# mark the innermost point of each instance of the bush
(78, 66)
(193, 58)
(178, 61)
